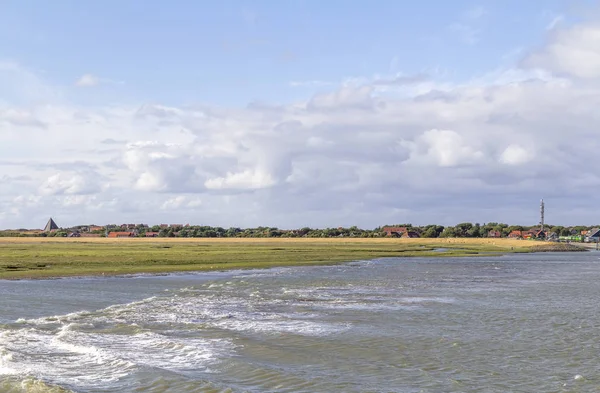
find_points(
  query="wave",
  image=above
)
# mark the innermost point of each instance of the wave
(29, 385)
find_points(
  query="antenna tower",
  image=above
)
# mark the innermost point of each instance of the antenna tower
(542, 214)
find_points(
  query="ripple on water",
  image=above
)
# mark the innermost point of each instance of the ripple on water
(390, 325)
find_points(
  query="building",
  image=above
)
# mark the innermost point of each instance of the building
(120, 234)
(51, 226)
(410, 235)
(493, 233)
(151, 234)
(394, 231)
(593, 235)
(515, 235)
(532, 234)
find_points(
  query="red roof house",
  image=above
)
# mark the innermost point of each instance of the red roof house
(515, 234)
(493, 233)
(394, 231)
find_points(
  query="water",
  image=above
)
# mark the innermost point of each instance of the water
(518, 323)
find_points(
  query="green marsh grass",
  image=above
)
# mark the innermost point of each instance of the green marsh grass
(61, 257)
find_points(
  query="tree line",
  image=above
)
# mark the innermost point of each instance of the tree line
(466, 229)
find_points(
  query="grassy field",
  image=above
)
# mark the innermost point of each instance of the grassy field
(60, 257)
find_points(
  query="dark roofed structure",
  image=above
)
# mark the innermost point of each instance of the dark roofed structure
(50, 226)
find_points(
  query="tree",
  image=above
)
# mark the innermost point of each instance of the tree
(448, 232)
(462, 229)
(475, 231)
(565, 232)
(557, 229)
(430, 232)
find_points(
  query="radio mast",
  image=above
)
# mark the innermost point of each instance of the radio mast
(542, 214)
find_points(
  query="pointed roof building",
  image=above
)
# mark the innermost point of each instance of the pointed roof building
(50, 226)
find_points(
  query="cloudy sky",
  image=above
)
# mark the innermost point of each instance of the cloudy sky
(299, 113)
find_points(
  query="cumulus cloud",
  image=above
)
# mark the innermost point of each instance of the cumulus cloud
(445, 148)
(248, 179)
(181, 202)
(160, 167)
(574, 51)
(516, 155)
(69, 183)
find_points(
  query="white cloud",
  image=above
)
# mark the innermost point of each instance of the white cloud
(90, 80)
(444, 148)
(181, 202)
(246, 180)
(73, 200)
(345, 97)
(574, 50)
(70, 183)
(516, 155)
(87, 80)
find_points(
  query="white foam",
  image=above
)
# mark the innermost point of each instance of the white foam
(418, 299)
(68, 355)
(92, 348)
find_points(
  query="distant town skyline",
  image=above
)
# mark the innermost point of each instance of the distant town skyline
(302, 113)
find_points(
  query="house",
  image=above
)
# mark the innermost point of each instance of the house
(531, 234)
(151, 234)
(552, 236)
(95, 228)
(74, 234)
(394, 231)
(410, 235)
(493, 233)
(120, 234)
(540, 234)
(515, 235)
(593, 235)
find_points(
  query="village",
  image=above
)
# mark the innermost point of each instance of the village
(490, 230)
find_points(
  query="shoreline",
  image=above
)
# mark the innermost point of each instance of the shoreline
(27, 259)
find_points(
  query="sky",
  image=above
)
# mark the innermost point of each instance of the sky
(299, 113)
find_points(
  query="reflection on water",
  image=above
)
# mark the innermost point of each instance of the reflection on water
(513, 323)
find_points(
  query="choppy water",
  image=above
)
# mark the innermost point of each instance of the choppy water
(521, 323)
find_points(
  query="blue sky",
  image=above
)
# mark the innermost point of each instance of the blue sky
(234, 52)
(298, 113)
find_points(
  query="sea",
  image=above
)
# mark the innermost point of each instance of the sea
(514, 323)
